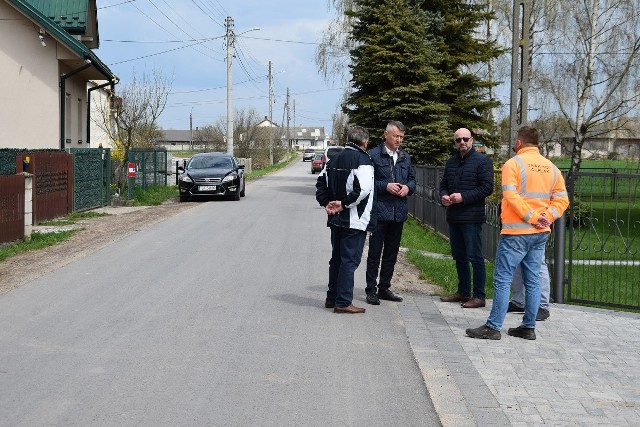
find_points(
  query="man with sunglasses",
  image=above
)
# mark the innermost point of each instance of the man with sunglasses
(466, 183)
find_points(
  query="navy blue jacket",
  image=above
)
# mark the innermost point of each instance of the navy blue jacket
(348, 177)
(388, 206)
(471, 176)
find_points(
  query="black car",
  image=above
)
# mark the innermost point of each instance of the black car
(212, 174)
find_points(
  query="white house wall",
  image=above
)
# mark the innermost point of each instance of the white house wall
(28, 84)
(99, 100)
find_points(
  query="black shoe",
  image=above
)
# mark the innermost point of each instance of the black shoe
(520, 332)
(388, 295)
(373, 299)
(484, 332)
(514, 308)
(543, 314)
(329, 303)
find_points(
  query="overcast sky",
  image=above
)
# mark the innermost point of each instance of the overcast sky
(134, 33)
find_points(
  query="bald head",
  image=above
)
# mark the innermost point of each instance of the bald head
(463, 140)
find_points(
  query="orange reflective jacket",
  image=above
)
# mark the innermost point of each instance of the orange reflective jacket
(531, 186)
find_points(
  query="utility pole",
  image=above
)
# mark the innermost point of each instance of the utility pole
(191, 130)
(229, 37)
(270, 116)
(519, 68)
(289, 139)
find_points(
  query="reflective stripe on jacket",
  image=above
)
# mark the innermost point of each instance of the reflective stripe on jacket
(531, 186)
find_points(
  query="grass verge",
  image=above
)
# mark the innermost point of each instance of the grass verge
(154, 196)
(38, 241)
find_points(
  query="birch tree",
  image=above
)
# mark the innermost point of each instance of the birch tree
(591, 68)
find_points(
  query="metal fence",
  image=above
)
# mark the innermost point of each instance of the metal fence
(91, 177)
(152, 166)
(11, 207)
(600, 262)
(603, 241)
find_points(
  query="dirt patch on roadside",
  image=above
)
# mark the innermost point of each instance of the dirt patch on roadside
(93, 234)
(406, 278)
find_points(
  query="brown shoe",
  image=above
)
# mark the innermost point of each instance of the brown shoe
(350, 309)
(455, 298)
(474, 303)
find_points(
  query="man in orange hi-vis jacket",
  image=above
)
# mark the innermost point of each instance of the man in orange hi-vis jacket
(533, 196)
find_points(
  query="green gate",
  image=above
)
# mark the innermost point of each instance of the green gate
(91, 177)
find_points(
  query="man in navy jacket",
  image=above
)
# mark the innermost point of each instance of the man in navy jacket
(345, 190)
(466, 183)
(394, 181)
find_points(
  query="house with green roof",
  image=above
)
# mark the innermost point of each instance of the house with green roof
(49, 74)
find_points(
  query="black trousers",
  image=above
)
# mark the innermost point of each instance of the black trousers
(384, 245)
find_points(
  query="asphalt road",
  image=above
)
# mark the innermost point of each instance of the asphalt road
(213, 317)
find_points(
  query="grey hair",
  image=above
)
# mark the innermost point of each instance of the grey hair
(358, 135)
(397, 124)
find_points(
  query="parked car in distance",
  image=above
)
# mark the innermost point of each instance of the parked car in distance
(308, 154)
(211, 174)
(331, 152)
(316, 163)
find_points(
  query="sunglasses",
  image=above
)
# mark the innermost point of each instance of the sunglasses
(464, 138)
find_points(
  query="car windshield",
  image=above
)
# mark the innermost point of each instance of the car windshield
(210, 162)
(318, 156)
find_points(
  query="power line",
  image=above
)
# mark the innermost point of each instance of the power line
(162, 52)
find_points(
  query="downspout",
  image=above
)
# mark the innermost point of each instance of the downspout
(112, 83)
(63, 78)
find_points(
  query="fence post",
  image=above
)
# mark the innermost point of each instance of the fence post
(559, 229)
(28, 205)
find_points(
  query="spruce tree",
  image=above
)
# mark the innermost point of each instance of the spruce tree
(455, 25)
(395, 76)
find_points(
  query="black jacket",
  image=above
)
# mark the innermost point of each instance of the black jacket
(388, 206)
(348, 177)
(471, 176)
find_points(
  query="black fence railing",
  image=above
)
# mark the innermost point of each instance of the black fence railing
(600, 263)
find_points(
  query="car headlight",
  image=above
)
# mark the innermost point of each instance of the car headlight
(185, 178)
(230, 178)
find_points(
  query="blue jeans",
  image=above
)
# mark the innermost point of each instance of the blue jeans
(528, 251)
(517, 286)
(466, 247)
(347, 244)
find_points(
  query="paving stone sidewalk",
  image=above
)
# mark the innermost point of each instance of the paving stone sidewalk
(583, 369)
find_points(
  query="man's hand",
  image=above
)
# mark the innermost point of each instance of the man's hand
(542, 223)
(445, 200)
(456, 198)
(334, 207)
(397, 189)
